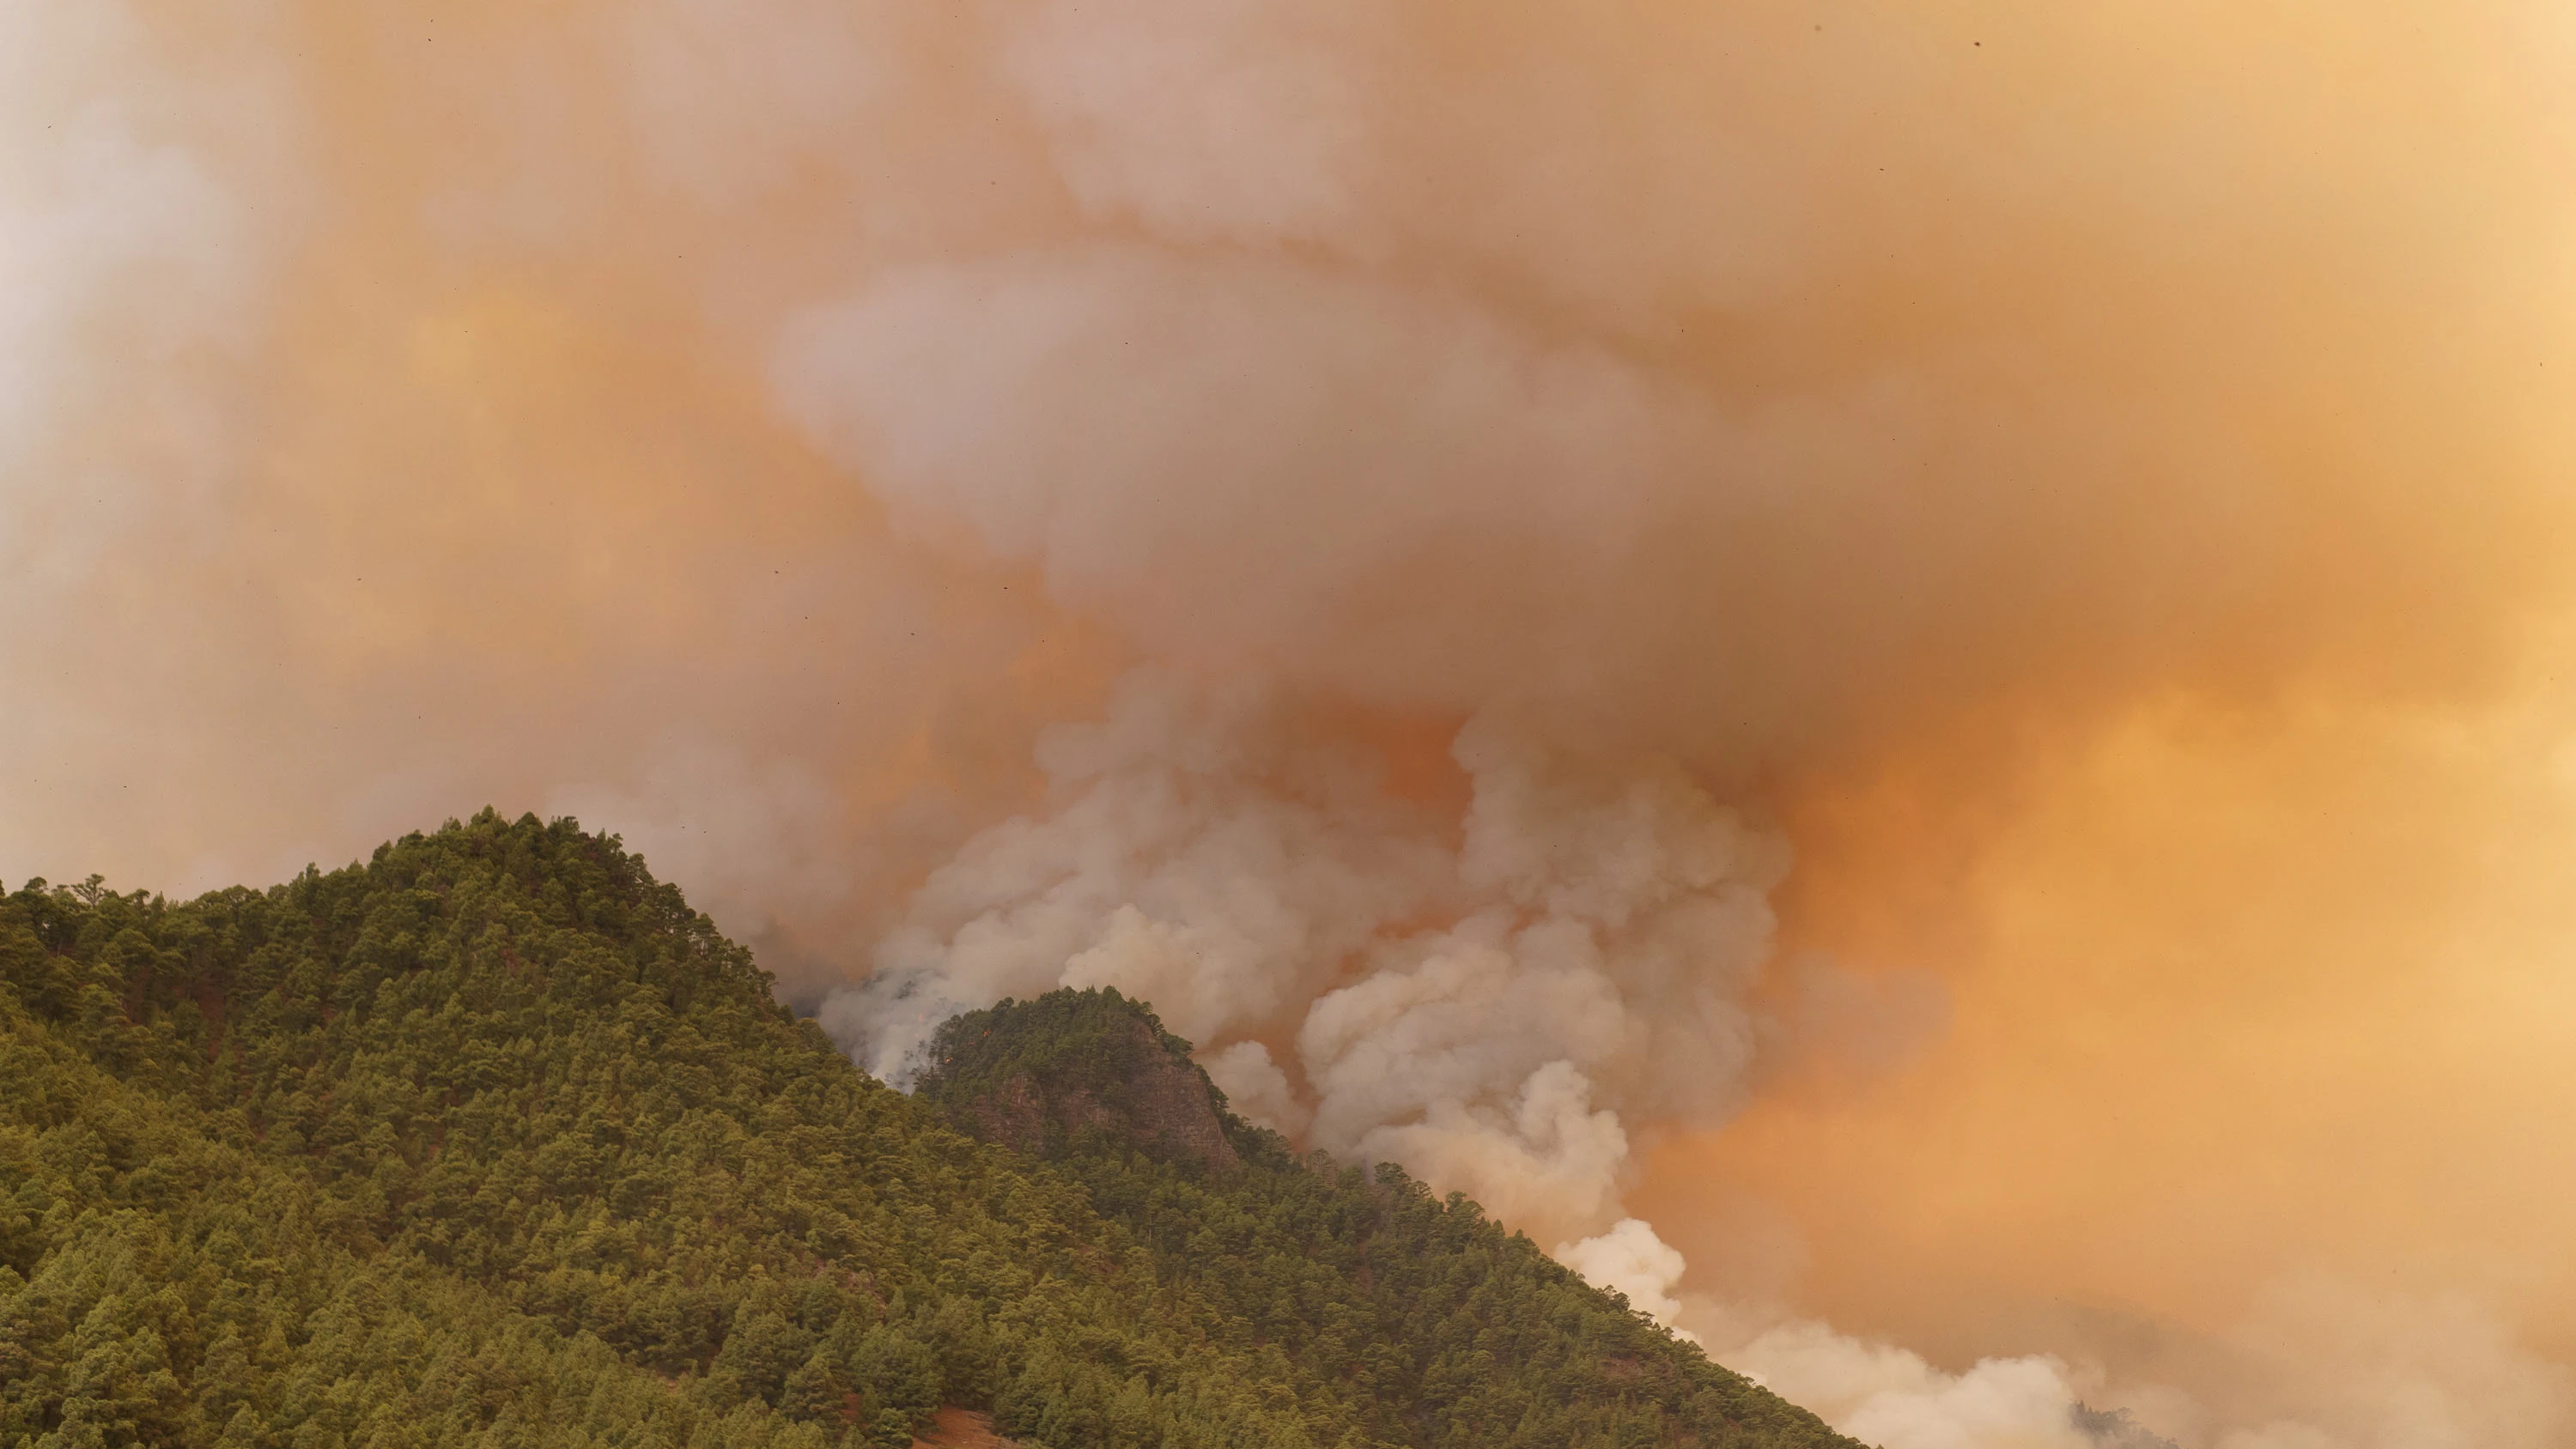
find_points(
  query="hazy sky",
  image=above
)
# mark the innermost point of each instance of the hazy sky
(1920, 645)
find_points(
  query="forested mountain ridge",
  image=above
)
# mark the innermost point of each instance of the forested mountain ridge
(1454, 1330)
(493, 1140)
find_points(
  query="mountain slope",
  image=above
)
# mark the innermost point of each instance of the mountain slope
(1436, 1325)
(492, 1139)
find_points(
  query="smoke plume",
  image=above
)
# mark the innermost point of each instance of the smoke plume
(1863, 663)
(1486, 1010)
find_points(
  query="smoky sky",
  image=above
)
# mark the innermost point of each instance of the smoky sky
(1915, 645)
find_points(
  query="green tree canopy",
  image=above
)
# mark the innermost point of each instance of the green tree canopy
(493, 1140)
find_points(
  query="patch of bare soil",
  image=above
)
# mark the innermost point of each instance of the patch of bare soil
(956, 1428)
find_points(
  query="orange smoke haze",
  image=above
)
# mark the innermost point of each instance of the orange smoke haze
(2235, 993)
(2090, 482)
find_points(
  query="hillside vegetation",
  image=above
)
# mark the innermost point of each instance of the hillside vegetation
(493, 1140)
(1425, 1322)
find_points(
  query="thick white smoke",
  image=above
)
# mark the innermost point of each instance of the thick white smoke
(1631, 1260)
(1481, 998)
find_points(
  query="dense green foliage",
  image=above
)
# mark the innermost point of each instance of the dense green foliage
(1426, 1322)
(493, 1140)
(1065, 1041)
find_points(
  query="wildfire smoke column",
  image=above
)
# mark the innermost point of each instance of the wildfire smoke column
(1919, 646)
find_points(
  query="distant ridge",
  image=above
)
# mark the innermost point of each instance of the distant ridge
(1474, 1336)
